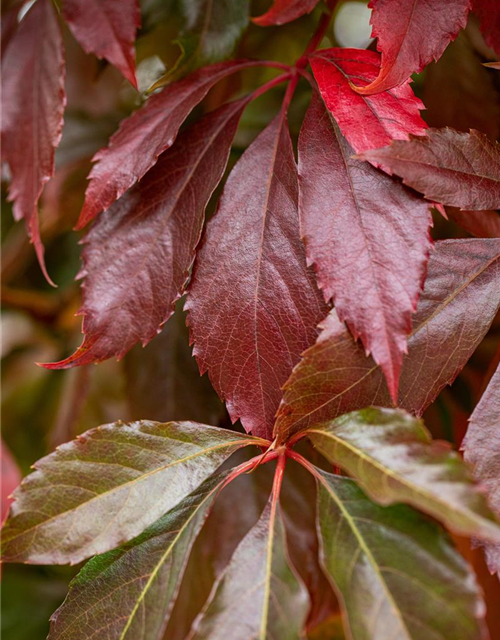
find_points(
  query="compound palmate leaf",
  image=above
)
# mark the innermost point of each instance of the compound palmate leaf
(253, 305)
(399, 27)
(397, 572)
(106, 29)
(138, 255)
(335, 376)
(33, 102)
(259, 595)
(147, 133)
(127, 593)
(457, 169)
(366, 121)
(482, 450)
(349, 216)
(108, 485)
(394, 459)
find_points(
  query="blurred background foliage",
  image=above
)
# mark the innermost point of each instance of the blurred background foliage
(41, 409)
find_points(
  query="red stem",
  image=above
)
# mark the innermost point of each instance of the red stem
(278, 476)
(305, 463)
(269, 85)
(250, 465)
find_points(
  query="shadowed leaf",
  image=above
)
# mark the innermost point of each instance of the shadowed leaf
(482, 449)
(33, 102)
(258, 595)
(397, 572)
(106, 29)
(131, 590)
(283, 11)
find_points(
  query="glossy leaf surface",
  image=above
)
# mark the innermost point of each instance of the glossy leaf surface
(253, 306)
(366, 121)
(393, 457)
(138, 255)
(397, 572)
(33, 102)
(106, 29)
(259, 594)
(482, 450)
(349, 216)
(335, 376)
(283, 11)
(399, 26)
(132, 589)
(108, 485)
(457, 169)
(147, 133)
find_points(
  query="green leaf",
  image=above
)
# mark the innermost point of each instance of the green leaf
(211, 32)
(108, 485)
(128, 593)
(259, 595)
(394, 458)
(397, 572)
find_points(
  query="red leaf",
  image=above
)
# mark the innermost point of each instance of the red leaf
(412, 33)
(253, 305)
(457, 169)
(488, 12)
(368, 237)
(482, 224)
(32, 112)
(482, 449)
(8, 26)
(147, 133)
(11, 477)
(366, 121)
(283, 11)
(106, 29)
(335, 377)
(138, 254)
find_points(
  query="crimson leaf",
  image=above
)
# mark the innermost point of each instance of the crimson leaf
(106, 29)
(283, 11)
(397, 572)
(33, 102)
(488, 12)
(399, 28)
(138, 255)
(335, 376)
(252, 304)
(10, 478)
(482, 449)
(259, 595)
(350, 215)
(108, 485)
(132, 589)
(482, 224)
(366, 121)
(147, 133)
(393, 457)
(457, 169)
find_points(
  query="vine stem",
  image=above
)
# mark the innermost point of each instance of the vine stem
(290, 453)
(250, 465)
